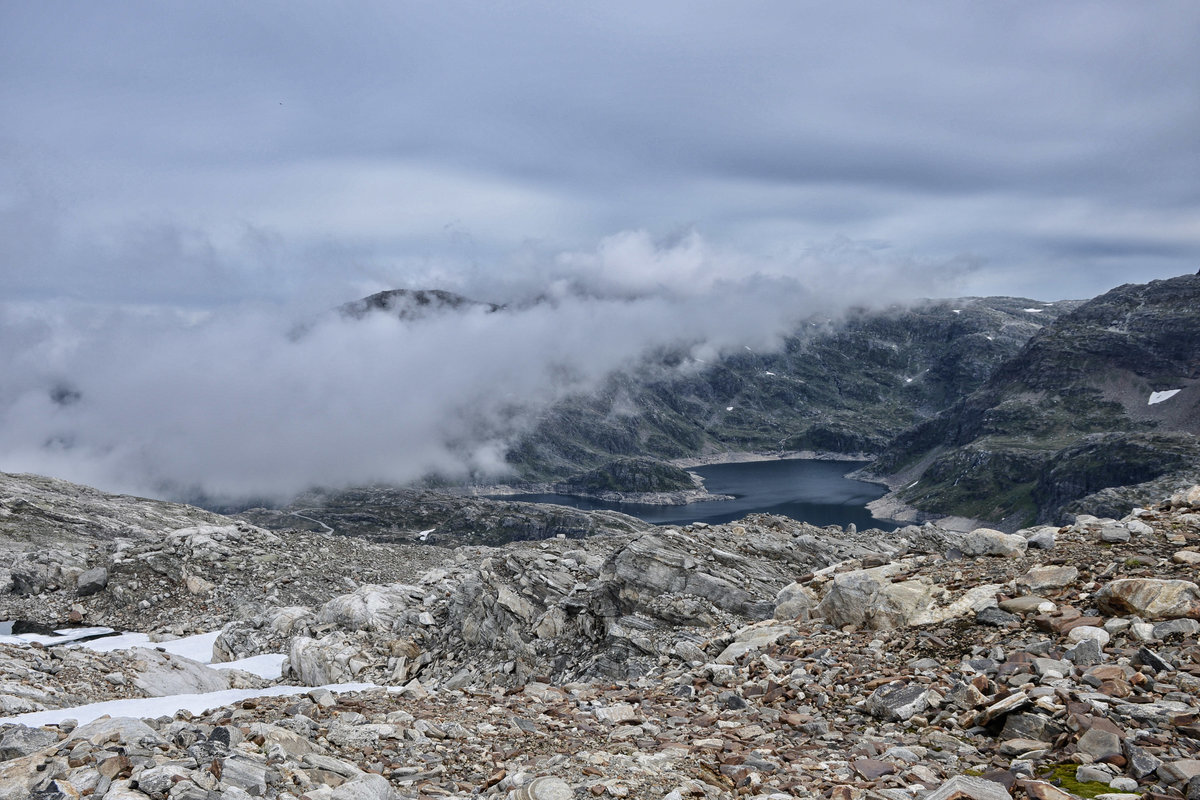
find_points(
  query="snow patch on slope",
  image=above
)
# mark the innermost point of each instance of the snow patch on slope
(1158, 397)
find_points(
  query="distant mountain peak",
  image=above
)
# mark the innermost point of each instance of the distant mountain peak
(410, 304)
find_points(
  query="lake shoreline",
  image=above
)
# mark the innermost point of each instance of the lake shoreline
(816, 491)
(747, 456)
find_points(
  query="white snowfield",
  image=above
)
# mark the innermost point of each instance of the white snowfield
(1158, 397)
(197, 648)
(64, 636)
(151, 707)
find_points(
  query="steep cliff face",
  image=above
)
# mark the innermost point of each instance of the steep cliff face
(1105, 397)
(845, 386)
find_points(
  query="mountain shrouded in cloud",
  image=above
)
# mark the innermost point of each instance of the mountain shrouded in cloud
(188, 192)
(250, 401)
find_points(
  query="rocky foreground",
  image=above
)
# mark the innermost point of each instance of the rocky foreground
(764, 659)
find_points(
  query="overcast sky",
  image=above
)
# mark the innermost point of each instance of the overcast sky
(204, 153)
(182, 184)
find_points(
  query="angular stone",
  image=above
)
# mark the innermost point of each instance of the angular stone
(1028, 604)
(1114, 533)
(92, 581)
(794, 601)
(1141, 763)
(21, 741)
(1039, 579)
(1190, 557)
(868, 598)
(1099, 743)
(897, 701)
(964, 786)
(988, 542)
(872, 769)
(1019, 747)
(1176, 627)
(1001, 707)
(159, 780)
(1147, 657)
(616, 714)
(1030, 726)
(545, 788)
(996, 618)
(160, 674)
(1087, 653)
(1179, 771)
(249, 776)
(1042, 538)
(1150, 598)
(966, 696)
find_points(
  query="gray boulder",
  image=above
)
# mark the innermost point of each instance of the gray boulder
(898, 701)
(21, 741)
(1150, 598)
(988, 542)
(159, 674)
(794, 601)
(92, 581)
(869, 599)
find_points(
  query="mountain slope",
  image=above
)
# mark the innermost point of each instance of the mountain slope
(845, 386)
(1105, 397)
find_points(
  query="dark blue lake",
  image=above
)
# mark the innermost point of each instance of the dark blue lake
(812, 491)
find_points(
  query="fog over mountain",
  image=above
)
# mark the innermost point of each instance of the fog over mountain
(263, 400)
(189, 191)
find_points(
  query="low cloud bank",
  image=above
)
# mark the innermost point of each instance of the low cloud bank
(266, 401)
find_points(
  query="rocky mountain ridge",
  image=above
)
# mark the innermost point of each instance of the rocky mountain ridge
(845, 386)
(764, 659)
(1105, 397)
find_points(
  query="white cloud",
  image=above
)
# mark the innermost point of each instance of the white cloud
(233, 403)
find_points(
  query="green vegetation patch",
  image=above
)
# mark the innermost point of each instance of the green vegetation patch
(1063, 776)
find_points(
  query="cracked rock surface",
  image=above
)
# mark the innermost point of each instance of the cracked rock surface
(764, 658)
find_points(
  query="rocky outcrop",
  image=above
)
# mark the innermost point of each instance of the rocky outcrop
(1079, 410)
(36, 511)
(610, 606)
(760, 659)
(407, 516)
(965, 707)
(877, 600)
(1151, 598)
(195, 573)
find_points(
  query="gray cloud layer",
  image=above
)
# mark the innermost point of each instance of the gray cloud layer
(206, 152)
(235, 403)
(181, 183)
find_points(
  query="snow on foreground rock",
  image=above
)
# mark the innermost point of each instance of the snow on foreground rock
(664, 665)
